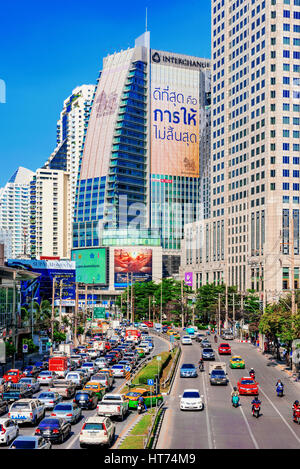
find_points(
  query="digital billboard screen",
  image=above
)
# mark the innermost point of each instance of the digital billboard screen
(174, 121)
(91, 266)
(132, 265)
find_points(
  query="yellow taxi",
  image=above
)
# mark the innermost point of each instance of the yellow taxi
(95, 387)
(170, 332)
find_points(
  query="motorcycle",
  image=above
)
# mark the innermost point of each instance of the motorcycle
(256, 410)
(201, 366)
(140, 408)
(296, 415)
(252, 374)
(279, 390)
(235, 401)
(216, 339)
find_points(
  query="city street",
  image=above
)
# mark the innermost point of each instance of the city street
(72, 442)
(220, 425)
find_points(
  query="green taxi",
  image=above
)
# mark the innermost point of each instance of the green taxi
(151, 399)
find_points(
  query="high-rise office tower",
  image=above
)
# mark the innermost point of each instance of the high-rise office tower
(49, 214)
(146, 138)
(14, 212)
(73, 121)
(252, 237)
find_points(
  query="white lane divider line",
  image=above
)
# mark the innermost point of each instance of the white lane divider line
(243, 414)
(209, 432)
(281, 416)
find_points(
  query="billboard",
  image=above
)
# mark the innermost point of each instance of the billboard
(91, 266)
(131, 263)
(188, 279)
(40, 289)
(174, 121)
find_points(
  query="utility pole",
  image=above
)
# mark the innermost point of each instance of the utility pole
(128, 289)
(161, 303)
(233, 314)
(60, 299)
(52, 313)
(242, 312)
(14, 319)
(219, 309)
(294, 306)
(75, 314)
(149, 308)
(226, 307)
(131, 297)
(182, 307)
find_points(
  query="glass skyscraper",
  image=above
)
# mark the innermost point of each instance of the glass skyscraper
(144, 147)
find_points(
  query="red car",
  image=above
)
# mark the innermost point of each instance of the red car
(247, 386)
(13, 375)
(224, 349)
(107, 345)
(148, 323)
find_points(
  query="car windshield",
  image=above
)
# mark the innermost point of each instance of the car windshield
(49, 423)
(46, 395)
(63, 407)
(45, 373)
(72, 376)
(218, 372)
(24, 444)
(25, 380)
(191, 394)
(236, 359)
(20, 405)
(12, 373)
(82, 395)
(133, 394)
(207, 350)
(247, 381)
(117, 367)
(93, 426)
(187, 366)
(91, 386)
(85, 365)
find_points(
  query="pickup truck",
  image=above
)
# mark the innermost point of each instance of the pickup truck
(64, 388)
(16, 391)
(113, 405)
(217, 373)
(105, 379)
(27, 411)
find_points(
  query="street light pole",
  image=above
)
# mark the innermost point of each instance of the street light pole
(52, 313)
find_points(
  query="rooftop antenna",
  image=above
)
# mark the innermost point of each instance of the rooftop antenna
(146, 18)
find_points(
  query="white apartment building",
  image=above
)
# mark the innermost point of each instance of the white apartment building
(14, 213)
(49, 214)
(70, 135)
(255, 151)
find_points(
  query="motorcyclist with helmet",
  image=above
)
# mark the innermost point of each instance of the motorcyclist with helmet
(255, 402)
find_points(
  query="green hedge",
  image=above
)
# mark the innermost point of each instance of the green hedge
(153, 368)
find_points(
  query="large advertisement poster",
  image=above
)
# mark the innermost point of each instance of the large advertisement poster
(91, 265)
(99, 138)
(132, 265)
(174, 121)
(37, 290)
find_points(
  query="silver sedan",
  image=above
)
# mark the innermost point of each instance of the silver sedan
(49, 399)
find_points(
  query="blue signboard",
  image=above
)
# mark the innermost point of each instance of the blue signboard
(150, 382)
(40, 288)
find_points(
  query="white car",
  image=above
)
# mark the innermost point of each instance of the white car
(101, 363)
(145, 346)
(191, 400)
(97, 431)
(93, 353)
(9, 430)
(119, 371)
(186, 340)
(92, 367)
(27, 411)
(46, 377)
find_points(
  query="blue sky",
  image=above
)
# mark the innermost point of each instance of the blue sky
(50, 47)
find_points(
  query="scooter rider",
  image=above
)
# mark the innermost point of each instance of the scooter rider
(252, 373)
(143, 403)
(201, 364)
(295, 406)
(234, 393)
(255, 401)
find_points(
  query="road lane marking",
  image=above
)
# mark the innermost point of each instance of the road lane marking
(242, 411)
(209, 431)
(281, 416)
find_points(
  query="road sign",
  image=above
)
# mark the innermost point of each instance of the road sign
(25, 348)
(99, 313)
(158, 358)
(150, 382)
